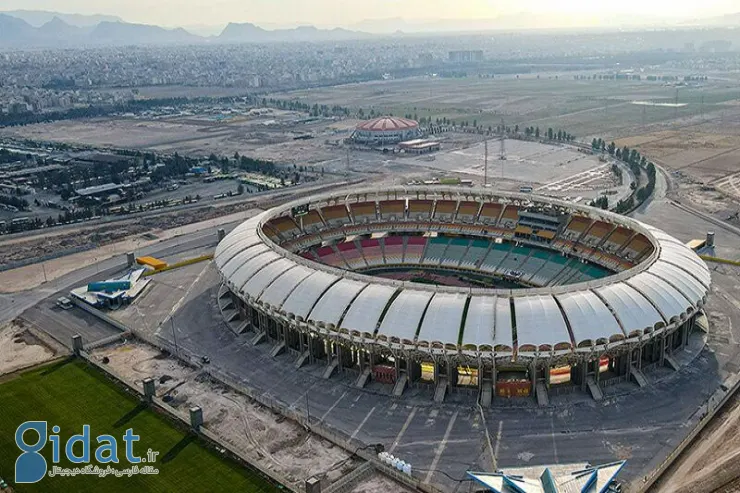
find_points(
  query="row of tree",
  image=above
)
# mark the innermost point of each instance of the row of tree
(14, 201)
(637, 163)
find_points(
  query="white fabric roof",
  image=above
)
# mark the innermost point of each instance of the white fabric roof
(539, 321)
(402, 318)
(443, 317)
(276, 292)
(669, 302)
(304, 296)
(250, 268)
(588, 316)
(332, 304)
(265, 276)
(365, 312)
(479, 322)
(503, 332)
(634, 311)
(237, 261)
(681, 280)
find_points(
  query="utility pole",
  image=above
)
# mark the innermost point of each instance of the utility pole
(174, 334)
(502, 151)
(346, 172)
(43, 268)
(485, 166)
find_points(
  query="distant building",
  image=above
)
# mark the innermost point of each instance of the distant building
(419, 146)
(466, 56)
(386, 130)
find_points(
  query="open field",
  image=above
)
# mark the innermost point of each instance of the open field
(266, 136)
(581, 107)
(70, 394)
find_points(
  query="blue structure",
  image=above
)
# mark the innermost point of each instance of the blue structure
(554, 479)
(109, 286)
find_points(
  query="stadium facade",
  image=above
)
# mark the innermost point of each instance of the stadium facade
(386, 130)
(504, 293)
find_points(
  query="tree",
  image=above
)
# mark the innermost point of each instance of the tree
(240, 189)
(537, 132)
(516, 129)
(611, 149)
(549, 133)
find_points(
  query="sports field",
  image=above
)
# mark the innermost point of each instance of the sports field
(70, 394)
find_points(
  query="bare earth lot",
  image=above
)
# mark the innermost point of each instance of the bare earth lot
(19, 348)
(257, 432)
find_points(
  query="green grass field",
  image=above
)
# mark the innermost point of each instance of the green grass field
(70, 394)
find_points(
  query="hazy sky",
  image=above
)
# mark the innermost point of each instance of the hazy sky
(348, 12)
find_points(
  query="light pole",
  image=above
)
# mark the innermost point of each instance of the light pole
(174, 335)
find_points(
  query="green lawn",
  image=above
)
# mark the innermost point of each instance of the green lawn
(70, 394)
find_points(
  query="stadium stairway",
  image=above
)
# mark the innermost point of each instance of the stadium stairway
(330, 368)
(441, 390)
(301, 360)
(258, 338)
(486, 393)
(363, 378)
(277, 349)
(243, 327)
(670, 361)
(400, 385)
(543, 399)
(638, 376)
(594, 388)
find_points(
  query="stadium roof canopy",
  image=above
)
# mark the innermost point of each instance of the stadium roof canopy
(665, 289)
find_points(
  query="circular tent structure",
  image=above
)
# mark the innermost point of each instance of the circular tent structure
(386, 130)
(527, 293)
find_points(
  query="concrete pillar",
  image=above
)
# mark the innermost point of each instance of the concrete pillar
(597, 369)
(313, 485)
(686, 328)
(149, 389)
(77, 343)
(196, 417)
(662, 348)
(130, 259)
(221, 234)
(584, 374)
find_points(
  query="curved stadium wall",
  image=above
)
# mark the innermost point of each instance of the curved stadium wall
(539, 291)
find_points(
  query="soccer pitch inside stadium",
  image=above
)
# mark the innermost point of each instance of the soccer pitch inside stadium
(70, 394)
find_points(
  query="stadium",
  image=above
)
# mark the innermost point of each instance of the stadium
(504, 294)
(386, 130)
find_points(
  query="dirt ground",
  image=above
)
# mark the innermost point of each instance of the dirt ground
(20, 348)
(711, 463)
(377, 483)
(257, 432)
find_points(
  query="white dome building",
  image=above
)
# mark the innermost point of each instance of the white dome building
(386, 130)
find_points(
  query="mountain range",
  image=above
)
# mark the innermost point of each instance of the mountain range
(16, 32)
(40, 29)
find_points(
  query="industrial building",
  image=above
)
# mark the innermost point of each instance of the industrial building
(532, 293)
(113, 293)
(387, 130)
